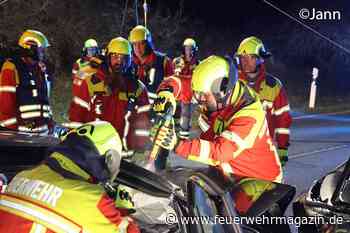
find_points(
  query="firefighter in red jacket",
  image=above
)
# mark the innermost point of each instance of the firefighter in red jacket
(85, 65)
(250, 55)
(184, 66)
(70, 191)
(114, 94)
(235, 135)
(151, 66)
(25, 87)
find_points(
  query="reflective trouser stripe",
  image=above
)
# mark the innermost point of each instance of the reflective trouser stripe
(30, 115)
(81, 103)
(282, 110)
(32, 107)
(8, 122)
(10, 89)
(282, 131)
(34, 130)
(35, 213)
(35, 114)
(37, 228)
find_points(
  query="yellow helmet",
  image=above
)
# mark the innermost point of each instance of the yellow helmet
(210, 75)
(139, 33)
(106, 141)
(101, 133)
(119, 45)
(252, 46)
(190, 43)
(32, 37)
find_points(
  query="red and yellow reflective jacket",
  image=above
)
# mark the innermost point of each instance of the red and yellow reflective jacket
(235, 138)
(184, 70)
(274, 99)
(126, 107)
(152, 70)
(41, 200)
(24, 95)
(83, 68)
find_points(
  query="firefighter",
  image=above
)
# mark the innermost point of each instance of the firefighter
(69, 191)
(151, 66)
(250, 56)
(184, 66)
(86, 64)
(235, 135)
(25, 87)
(115, 95)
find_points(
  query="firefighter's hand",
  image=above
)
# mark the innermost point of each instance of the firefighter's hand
(283, 155)
(164, 98)
(166, 137)
(124, 201)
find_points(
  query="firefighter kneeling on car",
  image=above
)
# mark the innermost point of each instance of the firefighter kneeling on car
(235, 136)
(66, 192)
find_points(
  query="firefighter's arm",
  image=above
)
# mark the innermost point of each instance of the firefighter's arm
(168, 67)
(143, 104)
(282, 119)
(8, 105)
(80, 106)
(227, 146)
(168, 92)
(116, 216)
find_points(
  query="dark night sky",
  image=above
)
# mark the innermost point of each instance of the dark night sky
(221, 13)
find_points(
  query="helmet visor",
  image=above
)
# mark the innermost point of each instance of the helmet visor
(90, 52)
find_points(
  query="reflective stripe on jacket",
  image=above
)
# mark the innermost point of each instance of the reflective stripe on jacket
(41, 200)
(96, 101)
(274, 99)
(24, 93)
(235, 138)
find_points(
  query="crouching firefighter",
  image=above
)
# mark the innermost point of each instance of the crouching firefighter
(235, 136)
(64, 193)
(113, 94)
(25, 87)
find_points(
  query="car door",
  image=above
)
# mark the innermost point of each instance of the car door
(211, 207)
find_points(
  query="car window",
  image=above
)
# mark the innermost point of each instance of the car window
(205, 210)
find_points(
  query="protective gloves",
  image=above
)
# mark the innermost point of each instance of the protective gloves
(124, 201)
(163, 100)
